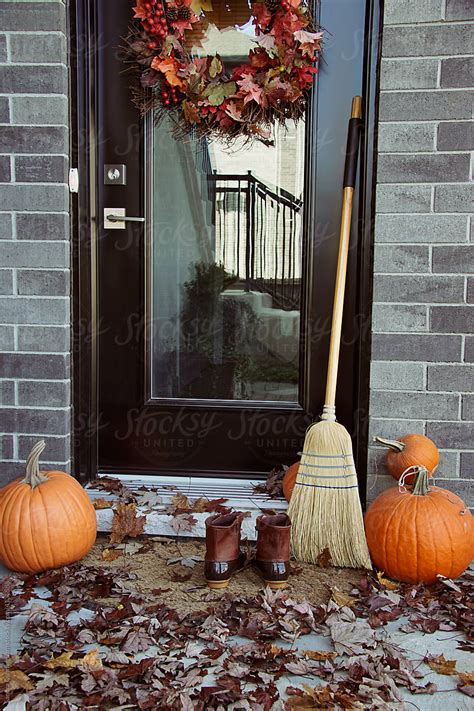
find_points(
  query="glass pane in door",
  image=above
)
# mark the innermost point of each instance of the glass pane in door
(226, 256)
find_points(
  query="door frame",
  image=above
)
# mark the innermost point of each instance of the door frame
(84, 137)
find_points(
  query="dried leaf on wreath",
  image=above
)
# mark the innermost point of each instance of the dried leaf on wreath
(215, 67)
(217, 93)
(126, 523)
(190, 112)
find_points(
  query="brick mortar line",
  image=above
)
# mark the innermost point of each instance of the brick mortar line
(431, 89)
(423, 122)
(430, 184)
(416, 154)
(34, 33)
(32, 380)
(12, 213)
(37, 408)
(423, 363)
(408, 214)
(42, 185)
(36, 353)
(34, 64)
(435, 23)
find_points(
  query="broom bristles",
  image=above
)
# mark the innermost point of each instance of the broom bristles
(325, 507)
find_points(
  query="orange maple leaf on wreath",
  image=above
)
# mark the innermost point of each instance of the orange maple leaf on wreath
(168, 67)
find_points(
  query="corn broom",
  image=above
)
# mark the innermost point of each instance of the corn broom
(325, 508)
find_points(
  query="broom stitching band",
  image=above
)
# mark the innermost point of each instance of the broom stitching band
(326, 466)
(321, 486)
(330, 476)
(326, 456)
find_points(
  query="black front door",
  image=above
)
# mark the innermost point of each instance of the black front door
(211, 322)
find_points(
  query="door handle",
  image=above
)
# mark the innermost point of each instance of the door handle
(124, 218)
(116, 219)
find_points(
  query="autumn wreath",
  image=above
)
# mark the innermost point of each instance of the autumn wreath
(198, 92)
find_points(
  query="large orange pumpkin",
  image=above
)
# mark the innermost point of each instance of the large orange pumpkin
(412, 450)
(46, 519)
(416, 534)
(289, 480)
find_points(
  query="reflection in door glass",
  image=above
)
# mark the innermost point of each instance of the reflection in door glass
(226, 258)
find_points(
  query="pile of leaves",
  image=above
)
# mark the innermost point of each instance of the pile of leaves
(199, 93)
(273, 484)
(94, 641)
(131, 507)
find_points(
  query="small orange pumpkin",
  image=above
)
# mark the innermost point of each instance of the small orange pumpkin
(410, 451)
(415, 535)
(46, 519)
(289, 480)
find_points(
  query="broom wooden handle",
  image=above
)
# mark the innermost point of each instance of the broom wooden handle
(350, 171)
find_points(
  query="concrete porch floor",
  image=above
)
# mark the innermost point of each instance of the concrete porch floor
(415, 645)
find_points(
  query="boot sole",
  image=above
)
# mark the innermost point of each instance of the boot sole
(276, 585)
(218, 584)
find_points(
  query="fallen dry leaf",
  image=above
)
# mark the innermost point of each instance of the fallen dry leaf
(466, 677)
(389, 584)
(318, 655)
(199, 505)
(183, 523)
(126, 523)
(189, 561)
(15, 679)
(102, 504)
(341, 598)
(324, 558)
(440, 665)
(111, 554)
(63, 661)
(91, 661)
(180, 501)
(178, 577)
(49, 679)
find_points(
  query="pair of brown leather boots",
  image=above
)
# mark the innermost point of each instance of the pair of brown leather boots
(224, 557)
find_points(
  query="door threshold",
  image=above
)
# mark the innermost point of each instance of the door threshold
(239, 493)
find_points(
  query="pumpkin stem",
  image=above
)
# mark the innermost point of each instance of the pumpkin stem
(421, 486)
(33, 475)
(391, 444)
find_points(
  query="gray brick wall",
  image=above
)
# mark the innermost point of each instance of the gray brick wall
(423, 353)
(35, 397)
(422, 371)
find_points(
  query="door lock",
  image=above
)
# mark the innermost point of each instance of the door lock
(115, 174)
